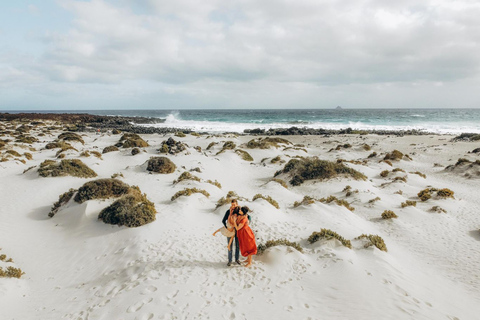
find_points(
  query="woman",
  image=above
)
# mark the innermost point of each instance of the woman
(245, 235)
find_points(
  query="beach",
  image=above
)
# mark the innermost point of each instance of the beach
(78, 267)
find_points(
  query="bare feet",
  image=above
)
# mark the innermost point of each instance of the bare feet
(248, 265)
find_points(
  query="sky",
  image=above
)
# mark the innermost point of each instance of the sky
(187, 54)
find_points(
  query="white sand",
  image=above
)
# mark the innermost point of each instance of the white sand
(77, 267)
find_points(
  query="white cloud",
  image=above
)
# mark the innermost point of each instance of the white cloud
(213, 48)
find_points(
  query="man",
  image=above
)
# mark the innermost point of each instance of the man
(233, 205)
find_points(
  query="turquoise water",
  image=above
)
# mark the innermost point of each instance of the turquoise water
(431, 120)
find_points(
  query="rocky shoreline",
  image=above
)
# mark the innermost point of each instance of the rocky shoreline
(89, 122)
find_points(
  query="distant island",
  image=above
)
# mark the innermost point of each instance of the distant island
(339, 108)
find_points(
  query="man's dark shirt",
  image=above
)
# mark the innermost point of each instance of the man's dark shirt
(225, 218)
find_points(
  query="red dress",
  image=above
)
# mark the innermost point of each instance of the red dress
(246, 238)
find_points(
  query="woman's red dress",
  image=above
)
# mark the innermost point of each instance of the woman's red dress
(246, 238)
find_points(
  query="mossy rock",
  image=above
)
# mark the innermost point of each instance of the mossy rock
(103, 189)
(135, 151)
(66, 167)
(116, 131)
(129, 211)
(161, 165)
(305, 169)
(109, 149)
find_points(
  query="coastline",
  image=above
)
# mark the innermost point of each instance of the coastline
(89, 122)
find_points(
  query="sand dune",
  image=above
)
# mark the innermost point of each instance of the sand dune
(77, 267)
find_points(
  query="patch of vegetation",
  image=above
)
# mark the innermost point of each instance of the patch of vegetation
(461, 161)
(197, 169)
(338, 202)
(384, 173)
(244, 154)
(67, 167)
(188, 192)
(438, 209)
(85, 153)
(26, 139)
(307, 200)
(161, 165)
(343, 146)
(135, 151)
(445, 193)
(71, 136)
(215, 183)
(11, 272)
(97, 154)
(109, 149)
(372, 155)
(426, 194)
(398, 170)
(394, 155)
(276, 159)
(211, 144)
(130, 210)
(13, 153)
(388, 214)
(328, 234)
(116, 131)
(388, 162)
(195, 134)
(180, 134)
(279, 242)
(229, 145)
(409, 203)
(366, 147)
(403, 179)
(104, 189)
(131, 140)
(62, 200)
(228, 199)
(266, 198)
(374, 240)
(313, 168)
(186, 176)
(116, 175)
(266, 143)
(28, 156)
(424, 176)
(281, 182)
(374, 200)
(59, 144)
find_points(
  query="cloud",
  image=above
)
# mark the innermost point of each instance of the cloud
(212, 48)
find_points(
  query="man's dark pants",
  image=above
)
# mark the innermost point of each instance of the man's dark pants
(237, 249)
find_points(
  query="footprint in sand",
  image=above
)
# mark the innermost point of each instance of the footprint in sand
(148, 290)
(137, 306)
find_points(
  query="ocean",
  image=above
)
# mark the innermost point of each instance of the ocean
(430, 120)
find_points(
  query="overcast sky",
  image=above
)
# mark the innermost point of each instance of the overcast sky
(148, 54)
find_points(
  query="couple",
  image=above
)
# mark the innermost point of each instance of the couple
(236, 222)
